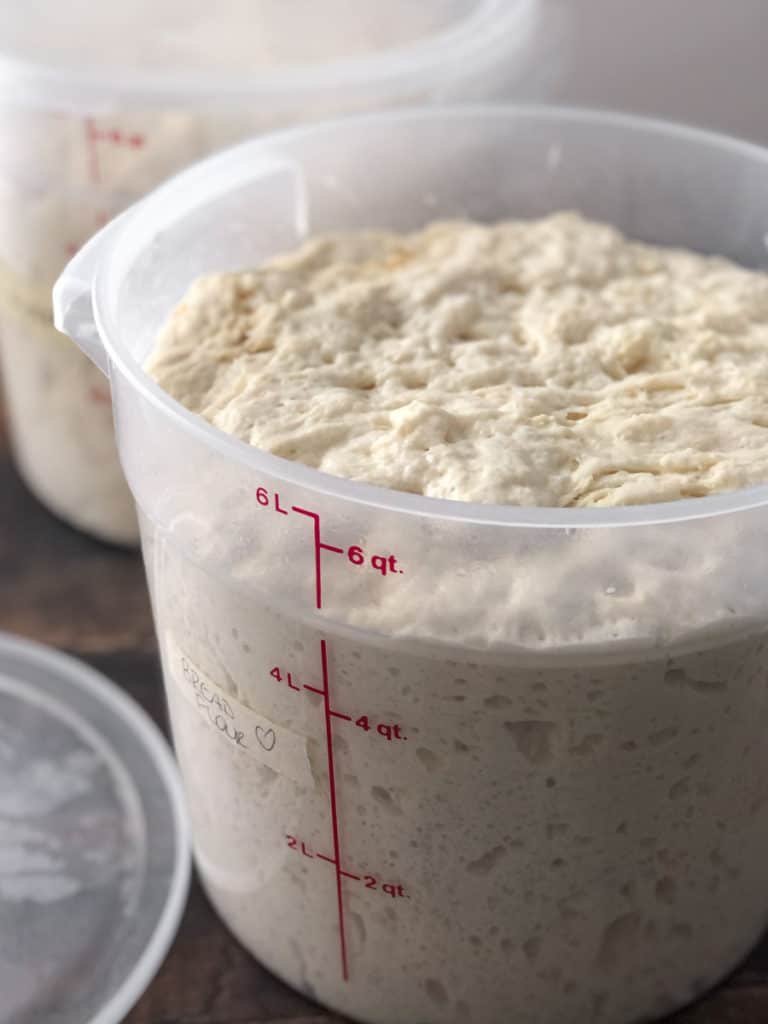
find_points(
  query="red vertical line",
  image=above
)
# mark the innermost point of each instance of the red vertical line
(93, 155)
(316, 523)
(334, 810)
(329, 744)
(318, 578)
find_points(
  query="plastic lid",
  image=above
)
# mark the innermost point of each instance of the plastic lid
(153, 52)
(94, 850)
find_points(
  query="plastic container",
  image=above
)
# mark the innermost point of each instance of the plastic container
(449, 762)
(94, 842)
(92, 118)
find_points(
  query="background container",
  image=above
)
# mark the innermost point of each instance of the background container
(449, 762)
(98, 104)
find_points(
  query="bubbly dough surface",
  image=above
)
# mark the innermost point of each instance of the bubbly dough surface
(549, 362)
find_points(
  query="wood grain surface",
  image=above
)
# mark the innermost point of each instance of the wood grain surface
(61, 588)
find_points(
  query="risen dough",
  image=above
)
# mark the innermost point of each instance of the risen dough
(548, 362)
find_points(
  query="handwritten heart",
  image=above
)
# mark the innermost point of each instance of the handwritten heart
(266, 737)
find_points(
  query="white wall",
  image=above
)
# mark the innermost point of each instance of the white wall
(701, 61)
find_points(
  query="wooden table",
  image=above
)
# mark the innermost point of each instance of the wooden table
(59, 587)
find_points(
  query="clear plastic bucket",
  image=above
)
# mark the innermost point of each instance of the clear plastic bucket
(100, 103)
(449, 762)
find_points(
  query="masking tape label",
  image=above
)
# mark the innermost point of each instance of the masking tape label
(253, 735)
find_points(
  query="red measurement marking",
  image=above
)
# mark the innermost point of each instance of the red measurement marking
(391, 889)
(278, 675)
(384, 565)
(316, 530)
(91, 138)
(332, 787)
(99, 395)
(113, 135)
(388, 730)
(278, 506)
(263, 498)
(94, 135)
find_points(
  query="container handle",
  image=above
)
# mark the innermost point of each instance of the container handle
(73, 311)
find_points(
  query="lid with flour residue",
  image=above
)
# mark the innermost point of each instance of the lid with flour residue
(94, 853)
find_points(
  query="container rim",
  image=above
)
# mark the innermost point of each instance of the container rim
(137, 226)
(478, 38)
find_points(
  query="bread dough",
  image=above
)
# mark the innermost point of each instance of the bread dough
(548, 362)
